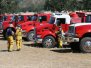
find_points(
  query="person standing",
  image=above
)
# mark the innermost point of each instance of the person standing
(10, 39)
(18, 38)
(60, 35)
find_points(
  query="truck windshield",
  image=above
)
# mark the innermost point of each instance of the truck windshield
(29, 18)
(42, 18)
(33, 18)
(4, 18)
(21, 18)
(13, 18)
(52, 20)
(88, 18)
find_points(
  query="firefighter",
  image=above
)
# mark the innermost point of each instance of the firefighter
(60, 33)
(10, 39)
(60, 36)
(18, 37)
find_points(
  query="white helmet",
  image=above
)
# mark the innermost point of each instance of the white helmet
(11, 25)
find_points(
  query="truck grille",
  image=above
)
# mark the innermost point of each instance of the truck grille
(71, 29)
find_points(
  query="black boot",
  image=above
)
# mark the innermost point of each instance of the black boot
(18, 49)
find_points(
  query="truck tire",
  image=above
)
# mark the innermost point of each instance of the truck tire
(30, 36)
(85, 45)
(75, 47)
(48, 42)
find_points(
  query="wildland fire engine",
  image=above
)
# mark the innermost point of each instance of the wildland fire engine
(79, 35)
(13, 20)
(37, 20)
(46, 33)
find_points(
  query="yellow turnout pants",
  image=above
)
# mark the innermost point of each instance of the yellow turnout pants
(19, 41)
(60, 42)
(10, 43)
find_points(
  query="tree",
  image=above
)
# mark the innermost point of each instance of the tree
(67, 5)
(0, 7)
(8, 6)
(12, 6)
(31, 5)
(87, 4)
(54, 5)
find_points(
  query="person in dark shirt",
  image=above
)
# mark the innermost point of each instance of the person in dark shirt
(10, 39)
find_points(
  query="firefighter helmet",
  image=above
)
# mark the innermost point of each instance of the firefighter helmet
(11, 25)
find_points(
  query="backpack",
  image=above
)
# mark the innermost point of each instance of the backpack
(9, 32)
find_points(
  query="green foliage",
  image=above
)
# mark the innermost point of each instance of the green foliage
(8, 6)
(32, 5)
(12, 6)
(87, 4)
(54, 5)
(72, 5)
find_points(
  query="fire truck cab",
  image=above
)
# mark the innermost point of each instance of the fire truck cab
(14, 20)
(47, 35)
(79, 35)
(61, 19)
(85, 16)
(37, 20)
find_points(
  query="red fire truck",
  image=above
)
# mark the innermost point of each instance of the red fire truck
(79, 35)
(37, 20)
(85, 16)
(46, 34)
(14, 20)
(4, 18)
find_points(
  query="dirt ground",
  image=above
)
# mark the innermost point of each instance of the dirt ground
(34, 57)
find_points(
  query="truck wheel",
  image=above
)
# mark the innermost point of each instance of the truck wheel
(30, 36)
(85, 45)
(75, 47)
(48, 42)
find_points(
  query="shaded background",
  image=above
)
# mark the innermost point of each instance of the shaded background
(14, 6)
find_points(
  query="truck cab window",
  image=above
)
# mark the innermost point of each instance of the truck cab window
(60, 21)
(29, 18)
(34, 18)
(88, 18)
(52, 20)
(13, 18)
(42, 18)
(4, 18)
(21, 18)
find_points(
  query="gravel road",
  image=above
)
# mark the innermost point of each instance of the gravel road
(34, 57)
